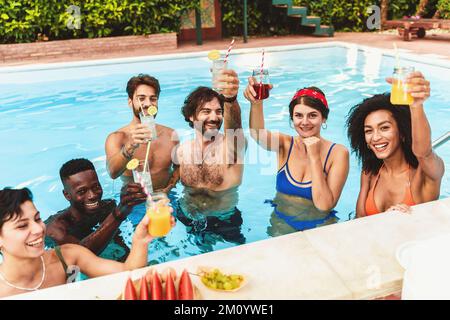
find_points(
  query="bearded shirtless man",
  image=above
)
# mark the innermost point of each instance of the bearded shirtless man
(211, 165)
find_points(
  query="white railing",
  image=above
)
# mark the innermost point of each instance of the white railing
(441, 140)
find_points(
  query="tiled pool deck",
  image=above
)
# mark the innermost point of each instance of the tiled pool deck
(350, 260)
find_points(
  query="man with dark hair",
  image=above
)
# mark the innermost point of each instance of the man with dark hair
(211, 165)
(132, 140)
(87, 210)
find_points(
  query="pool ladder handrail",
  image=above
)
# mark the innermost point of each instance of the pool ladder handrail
(441, 140)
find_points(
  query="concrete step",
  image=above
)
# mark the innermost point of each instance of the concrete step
(324, 30)
(297, 10)
(280, 2)
(311, 20)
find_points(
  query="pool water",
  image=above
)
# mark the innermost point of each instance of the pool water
(49, 116)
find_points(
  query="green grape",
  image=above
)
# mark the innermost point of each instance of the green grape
(228, 286)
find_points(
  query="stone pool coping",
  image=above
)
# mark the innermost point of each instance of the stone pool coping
(404, 54)
(350, 260)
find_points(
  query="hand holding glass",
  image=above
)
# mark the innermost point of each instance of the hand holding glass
(399, 91)
(158, 211)
(262, 83)
(218, 65)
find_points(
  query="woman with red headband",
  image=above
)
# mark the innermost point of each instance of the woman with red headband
(312, 170)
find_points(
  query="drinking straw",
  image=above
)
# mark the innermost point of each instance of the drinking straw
(228, 51)
(146, 157)
(143, 184)
(262, 63)
(261, 74)
(397, 60)
(142, 109)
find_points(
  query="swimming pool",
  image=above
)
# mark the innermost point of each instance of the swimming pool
(49, 115)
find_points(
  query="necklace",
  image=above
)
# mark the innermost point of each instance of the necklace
(26, 289)
(203, 153)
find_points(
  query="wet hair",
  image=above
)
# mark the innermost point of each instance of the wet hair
(141, 78)
(10, 202)
(355, 131)
(310, 102)
(74, 166)
(197, 99)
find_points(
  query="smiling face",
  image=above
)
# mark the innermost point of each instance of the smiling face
(210, 115)
(24, 235)
(382, 134)
(144, 96)
(83, 191)
(307, 121)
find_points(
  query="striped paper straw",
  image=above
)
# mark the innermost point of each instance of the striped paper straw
(261, 73)
(262, 64)
(229, 49)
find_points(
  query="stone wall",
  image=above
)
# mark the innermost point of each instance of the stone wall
(86, 48)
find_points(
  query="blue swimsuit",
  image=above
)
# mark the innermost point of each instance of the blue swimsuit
(286, 184)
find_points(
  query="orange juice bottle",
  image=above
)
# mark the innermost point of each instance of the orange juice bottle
(158, 211)
(399, 94)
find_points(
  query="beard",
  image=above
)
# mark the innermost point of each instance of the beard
(208, 133)
(137, 110)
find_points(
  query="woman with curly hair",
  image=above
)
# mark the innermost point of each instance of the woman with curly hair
(393, 144)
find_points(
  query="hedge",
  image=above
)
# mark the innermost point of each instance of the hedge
(22, 21)
(350, 15)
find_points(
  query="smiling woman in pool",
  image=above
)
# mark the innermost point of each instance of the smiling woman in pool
(393, 143)
(312, 170)
(27, 266)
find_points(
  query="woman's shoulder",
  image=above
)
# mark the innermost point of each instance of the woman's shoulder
(338, 149)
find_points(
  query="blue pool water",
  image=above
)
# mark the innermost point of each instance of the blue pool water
(49, 116)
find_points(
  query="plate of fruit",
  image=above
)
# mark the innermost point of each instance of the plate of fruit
(160, 286)
(221, 280)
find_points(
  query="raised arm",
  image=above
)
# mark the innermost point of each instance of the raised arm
(228, 81)
(94, 266)
(265, 138)
(120, 148)
(431, 165)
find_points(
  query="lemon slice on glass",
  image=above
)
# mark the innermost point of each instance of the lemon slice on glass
(132, 164)
(152, 110)
(214, 55)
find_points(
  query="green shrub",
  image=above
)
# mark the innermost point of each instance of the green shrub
(400, 8)
(21, 21)
(343, 15)
(348, 15)
(444, 8)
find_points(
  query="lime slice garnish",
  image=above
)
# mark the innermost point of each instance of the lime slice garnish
(214, 55)
(152, 110)
(132, 164)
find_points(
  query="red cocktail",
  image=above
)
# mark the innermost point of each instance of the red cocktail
(262, 83)
(262, 91)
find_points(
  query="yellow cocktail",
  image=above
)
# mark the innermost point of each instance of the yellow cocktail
(399, 94)
(399, 90)
(160, 218)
